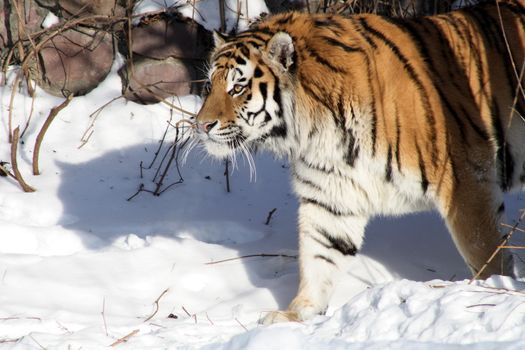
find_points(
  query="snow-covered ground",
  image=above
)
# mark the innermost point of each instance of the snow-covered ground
(83, 268)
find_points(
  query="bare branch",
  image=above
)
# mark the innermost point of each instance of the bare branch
(252, 256)
(270, 216)
(156, 305)
(52, 114)
(504, 243)
(14, 163)
(125, 338)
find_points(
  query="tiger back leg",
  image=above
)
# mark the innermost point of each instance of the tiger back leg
(327, 241)
(473, 216)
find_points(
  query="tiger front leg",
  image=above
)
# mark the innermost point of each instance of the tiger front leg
(328, 239)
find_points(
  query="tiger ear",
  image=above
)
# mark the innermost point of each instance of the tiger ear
(219, 39)
(280, 49)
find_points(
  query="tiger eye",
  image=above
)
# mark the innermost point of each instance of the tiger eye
(237, 88)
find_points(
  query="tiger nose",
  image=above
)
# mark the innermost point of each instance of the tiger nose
(206, 127)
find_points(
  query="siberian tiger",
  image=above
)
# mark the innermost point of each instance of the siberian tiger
(378, 116)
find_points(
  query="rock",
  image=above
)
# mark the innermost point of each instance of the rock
(154, 80)
(171, 37)
(11, 28)
(69, 8)
(75, 61)
(168, 54)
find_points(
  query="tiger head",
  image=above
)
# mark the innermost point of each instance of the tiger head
(246, 100)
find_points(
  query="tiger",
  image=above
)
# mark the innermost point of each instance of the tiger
(377, 116)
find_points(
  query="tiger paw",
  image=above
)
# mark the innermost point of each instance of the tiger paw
(279, 317)
(300, 309)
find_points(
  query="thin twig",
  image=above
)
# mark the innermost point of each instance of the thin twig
(52, 114)
(37, 343)
(208, 317)
(125, 338)
(4, 171)
(16, 82)
(269, 217)
(104, 316)
(186, 311)
(504, 242)
(252, 256)
(476, 305)
(243, 326)
(93, 117)
(14, 163)
(227, 175)
(515, 228)
(156, 305)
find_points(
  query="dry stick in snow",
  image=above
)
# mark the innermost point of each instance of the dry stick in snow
(208, 317)
(125, 338)
(93, 116)
(156, 305)
(504, 242)
(269, 217)
(510, 226)
(52, 114)
(14, 163)
(174, 150)
(11, 102)
(190, 315)
(243, 326)
(227, 174)
(104, 316)
(186, 311)
(252, 256)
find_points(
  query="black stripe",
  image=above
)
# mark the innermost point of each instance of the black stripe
(344, 246)
(277, 96)
(307, 182)
(315, 166)
(278, 131)
(327, 207)
(373, 121)
(422, 170)
(456, 181)
(352, 152)
(482, 133)
(319, 59)
(398, 140)
(227, 54)
(388, 167)
(263, 87)
(257, 73)
(337, 43)
(328, 22)
(505, 163)
(501, 208)
(308, 89)
(240, 60)
(364, 34)
(325, 258)
(287, 18)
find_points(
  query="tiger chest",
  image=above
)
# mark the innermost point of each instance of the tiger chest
(354, 190)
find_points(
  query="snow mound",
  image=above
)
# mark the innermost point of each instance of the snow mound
(408, 315)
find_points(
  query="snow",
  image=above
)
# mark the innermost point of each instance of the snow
(81, 267)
